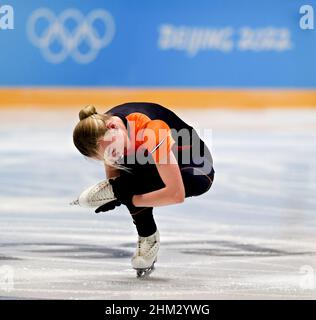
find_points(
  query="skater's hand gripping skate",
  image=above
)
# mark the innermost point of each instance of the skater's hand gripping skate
(122, 190)
(108, 206)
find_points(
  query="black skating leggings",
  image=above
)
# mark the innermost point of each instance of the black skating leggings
(197, 179)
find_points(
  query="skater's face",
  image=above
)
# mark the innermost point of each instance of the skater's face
(113, 145)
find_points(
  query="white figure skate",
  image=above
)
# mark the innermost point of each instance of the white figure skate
(96, 195)
(143, 260)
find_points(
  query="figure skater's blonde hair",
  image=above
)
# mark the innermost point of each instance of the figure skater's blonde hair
(88, 131)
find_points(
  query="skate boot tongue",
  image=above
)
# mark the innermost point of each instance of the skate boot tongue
(150, 239)
(154, 237)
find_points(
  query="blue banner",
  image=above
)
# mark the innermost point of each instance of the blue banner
(176, 43)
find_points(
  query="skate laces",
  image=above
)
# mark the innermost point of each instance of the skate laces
(99, 193)
(145, 244)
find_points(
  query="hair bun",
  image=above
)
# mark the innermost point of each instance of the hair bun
(87, 112)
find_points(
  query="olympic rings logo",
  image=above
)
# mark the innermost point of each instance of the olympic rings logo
(48, 32)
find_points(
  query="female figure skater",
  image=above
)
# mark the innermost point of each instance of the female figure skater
(152, 158)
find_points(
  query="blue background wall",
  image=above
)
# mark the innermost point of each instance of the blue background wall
(135, 58)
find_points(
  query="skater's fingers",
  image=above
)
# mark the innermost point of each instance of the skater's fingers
(108, 206)
(104, 208)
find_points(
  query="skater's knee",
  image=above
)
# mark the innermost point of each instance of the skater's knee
(195, 182)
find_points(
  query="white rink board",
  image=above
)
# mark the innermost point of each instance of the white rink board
(252, 236)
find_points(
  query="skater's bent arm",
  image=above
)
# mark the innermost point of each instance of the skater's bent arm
(172, 193)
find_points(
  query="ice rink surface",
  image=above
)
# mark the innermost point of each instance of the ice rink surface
(252, 236)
